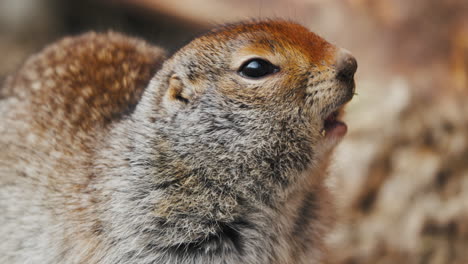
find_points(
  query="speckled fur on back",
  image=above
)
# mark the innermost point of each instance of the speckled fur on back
(199, 165)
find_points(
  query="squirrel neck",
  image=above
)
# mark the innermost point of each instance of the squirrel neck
(227, 183)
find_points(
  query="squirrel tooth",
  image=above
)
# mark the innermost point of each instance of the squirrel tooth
(323, 132)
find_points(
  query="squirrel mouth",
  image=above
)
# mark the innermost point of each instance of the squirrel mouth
(333, 127)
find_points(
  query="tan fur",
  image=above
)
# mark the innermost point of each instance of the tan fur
(202, 166)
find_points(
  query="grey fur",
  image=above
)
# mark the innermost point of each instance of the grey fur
(219, 178)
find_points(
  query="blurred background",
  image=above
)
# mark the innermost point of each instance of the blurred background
(401, 174)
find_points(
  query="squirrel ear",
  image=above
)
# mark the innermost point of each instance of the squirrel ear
(176, 90)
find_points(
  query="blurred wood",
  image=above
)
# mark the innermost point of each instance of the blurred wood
(209, 12)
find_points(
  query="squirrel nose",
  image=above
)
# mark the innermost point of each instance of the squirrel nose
(346, 65)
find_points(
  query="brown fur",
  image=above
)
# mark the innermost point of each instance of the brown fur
(91, 80)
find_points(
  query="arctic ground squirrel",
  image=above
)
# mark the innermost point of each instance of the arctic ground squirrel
(111, 153)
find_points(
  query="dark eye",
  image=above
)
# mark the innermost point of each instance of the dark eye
(257, 68)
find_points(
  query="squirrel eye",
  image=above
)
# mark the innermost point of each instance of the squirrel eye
(257, 68)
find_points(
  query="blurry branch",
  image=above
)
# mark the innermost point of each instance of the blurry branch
(209, 12)
(460, 56)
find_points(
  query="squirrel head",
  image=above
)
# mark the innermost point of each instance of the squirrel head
(270, 91)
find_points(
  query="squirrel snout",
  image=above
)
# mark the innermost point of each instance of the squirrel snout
(346, 65)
